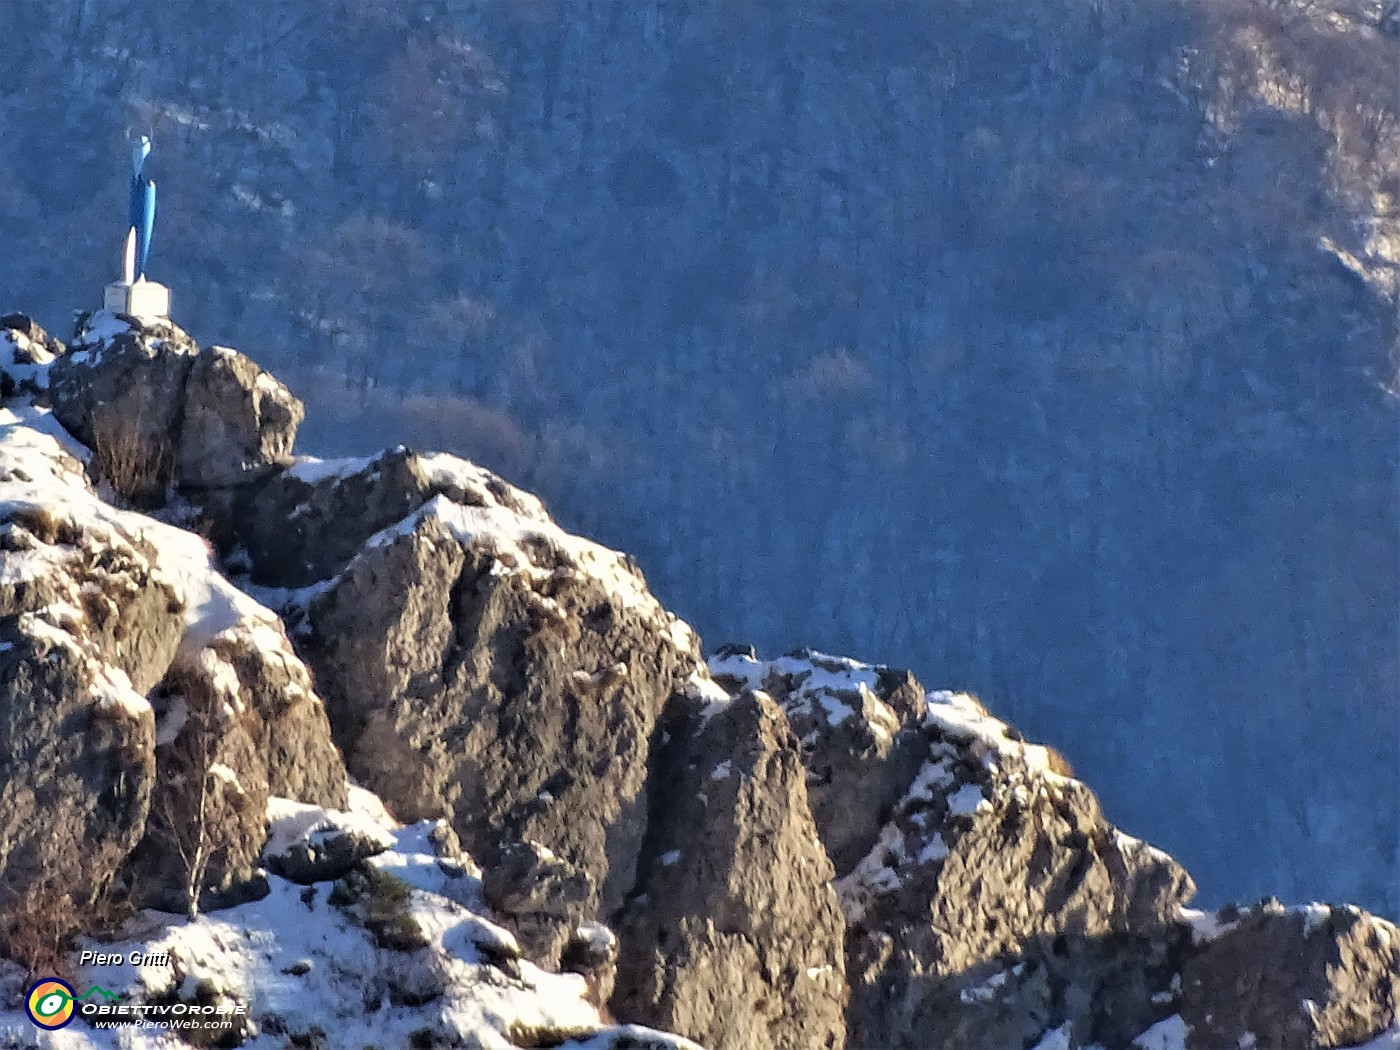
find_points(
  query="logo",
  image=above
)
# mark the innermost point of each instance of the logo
(49, 1003)
(52, 1003)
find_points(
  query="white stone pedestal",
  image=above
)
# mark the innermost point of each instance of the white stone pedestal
(140, 299)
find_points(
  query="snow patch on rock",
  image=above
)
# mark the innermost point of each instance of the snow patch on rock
(1164, 1035)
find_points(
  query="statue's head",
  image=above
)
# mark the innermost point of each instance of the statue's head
(140, 150)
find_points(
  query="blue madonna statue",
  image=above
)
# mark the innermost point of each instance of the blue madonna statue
(134, 294)
(142, 213)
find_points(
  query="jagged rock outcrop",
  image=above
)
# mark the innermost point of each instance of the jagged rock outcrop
(997, 907)
(94, 582)
(980, 858)
(859, 734)
(120, 391)
(1300, 977)
(88, 624)
(110, 610)
(988, 852)
(305, 524)
(807, 853)
(238, 421)
(156, 410)
(76, 772)
(477, 661)
(734, 937)
(238, 724)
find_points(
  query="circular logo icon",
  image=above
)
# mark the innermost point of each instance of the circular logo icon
(49, 1003)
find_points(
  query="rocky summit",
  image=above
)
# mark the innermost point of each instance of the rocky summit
(374, 753)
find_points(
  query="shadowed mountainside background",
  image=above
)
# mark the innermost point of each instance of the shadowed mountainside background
(1047, 349)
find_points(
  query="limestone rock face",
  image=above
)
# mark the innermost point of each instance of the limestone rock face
(120, 391)
(1093, 991)
(989, 860)
(860, 741)
(155, 409)
(540, 897)
(1305, 977)
(306, 523)
(95, 581)
(77, 766)
(111, 610)
(88, 623)
(292, 733)
(209, 801)
(239, 723)
(734, 936)
(984, 871)
(479, 662)
(239, 422)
